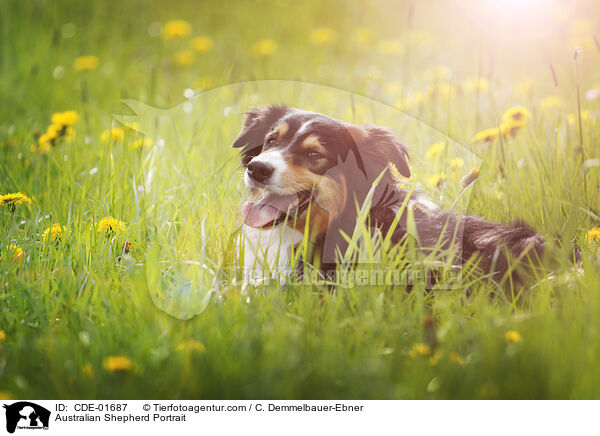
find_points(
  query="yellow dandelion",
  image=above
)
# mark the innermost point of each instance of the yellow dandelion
(487, 135)
(512, 337)
(436, 179)
(53, 131)
(85, 63)
(264, 47)
(390, 47)
(436, 150)
(176, 29)
(593, 235)
(509, 130)
(419, 349)
(138, 144)
(2, 335)
(16, 253)
(111, 225)
(133, 127)
(203, 82)
(550, 103)
(44, 143)
(6, 396)
(185, 58)
(363, 35)
(323, 36)
(517, 115)
(435, 357)
(457, 162)
(191, 346)
(54, 233)
(201, 44)
(12, 200)
(113, 135)
(66, 118)
(117, 364)
(573, 117)
(87, 370)
(456, 358)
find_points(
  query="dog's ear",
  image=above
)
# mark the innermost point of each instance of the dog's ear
(379, 146)
(254, 129)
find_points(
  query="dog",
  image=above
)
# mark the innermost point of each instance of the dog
(309, 173)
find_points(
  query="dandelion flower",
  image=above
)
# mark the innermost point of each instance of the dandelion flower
(110, 225)
(514, 116)
(436, 150)
(12, 200)
(176, 29)
(16, 253)
(133, 127)
(185, 58)
(54, 233)
(201, 44)
(512, 337)
(436, 179)
(112, 135)
(572, 117)
(435, 357)
(323, 36)
(456, 358)
(191, 346)
(66, 118)
(593, 235)
(457, 162)
(85, 63)
(487, 135)
(2, 335)
(550, 103)
(53, 131)
(419, 349)
(264, 47)
(5, 396)
(117, 364)
(141, 143)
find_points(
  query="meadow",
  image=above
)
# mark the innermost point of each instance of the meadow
(119, 196)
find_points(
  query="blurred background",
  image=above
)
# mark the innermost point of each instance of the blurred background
(424, 57)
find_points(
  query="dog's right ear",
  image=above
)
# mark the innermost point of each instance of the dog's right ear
(254, 129)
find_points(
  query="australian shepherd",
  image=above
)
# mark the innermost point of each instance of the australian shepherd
(310, 173)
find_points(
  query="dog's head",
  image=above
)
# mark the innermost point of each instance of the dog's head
(300, 158)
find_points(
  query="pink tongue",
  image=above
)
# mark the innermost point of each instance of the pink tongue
(266, 210)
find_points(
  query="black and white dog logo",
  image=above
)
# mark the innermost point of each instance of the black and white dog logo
(26, 415)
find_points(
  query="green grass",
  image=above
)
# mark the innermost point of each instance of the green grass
(65, 308)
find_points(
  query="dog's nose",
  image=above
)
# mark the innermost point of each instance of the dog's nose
(260, 171)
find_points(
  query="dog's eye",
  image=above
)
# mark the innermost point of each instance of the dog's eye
(271, 139)
(314, 155)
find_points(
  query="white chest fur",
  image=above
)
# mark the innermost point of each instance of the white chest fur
(267, 253)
